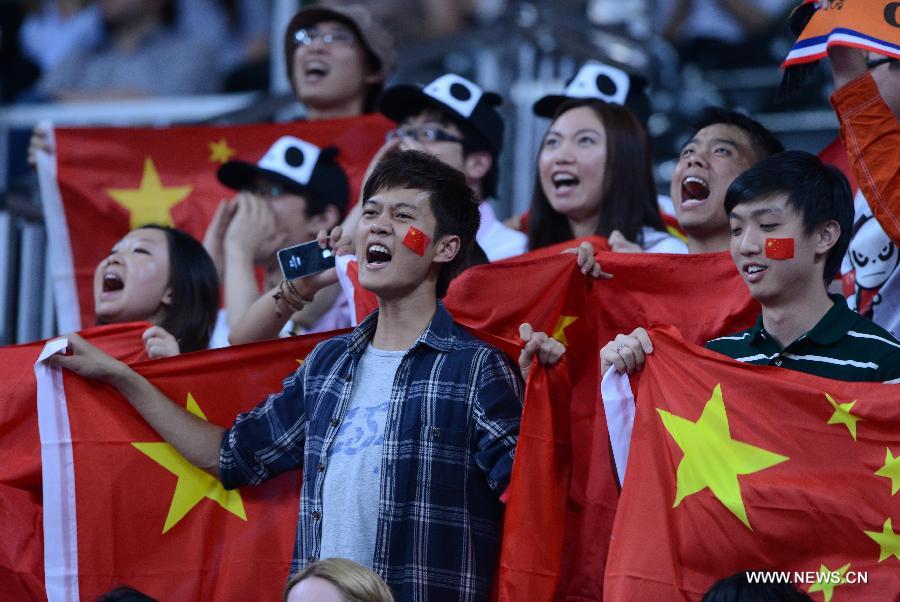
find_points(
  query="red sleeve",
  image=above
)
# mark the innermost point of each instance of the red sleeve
(872, 136)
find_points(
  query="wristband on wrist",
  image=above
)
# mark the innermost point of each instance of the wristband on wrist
(288, 295)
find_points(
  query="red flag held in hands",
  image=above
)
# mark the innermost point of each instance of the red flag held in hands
(701, 294)
(132, 510)
(563, 433)
(21, 506)
(548, 291)
(737, 468)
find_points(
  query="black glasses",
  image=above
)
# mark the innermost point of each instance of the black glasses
(423, 134)
(881, 61)
(341, 37)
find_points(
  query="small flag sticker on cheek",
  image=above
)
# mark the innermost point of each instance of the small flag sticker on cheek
(780, 248)
(416, 241)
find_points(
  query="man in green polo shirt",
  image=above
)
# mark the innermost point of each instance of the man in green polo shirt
(790, 218)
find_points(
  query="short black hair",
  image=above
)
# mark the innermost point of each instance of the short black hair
(763, 142)
(819, 192)
(195, 290)
(123, 593)
(453, 203)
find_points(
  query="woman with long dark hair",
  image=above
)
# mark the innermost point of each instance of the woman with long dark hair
(165, 276)
(594, 176)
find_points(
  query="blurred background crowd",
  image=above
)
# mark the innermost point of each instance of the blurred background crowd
(222, 62)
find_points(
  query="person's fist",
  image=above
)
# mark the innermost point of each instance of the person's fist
(627, 352)
(40, 141)
(538, 345)
(159, 343)
(87, 360)
(254, 229)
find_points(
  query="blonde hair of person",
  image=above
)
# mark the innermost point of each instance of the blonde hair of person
(355, 582)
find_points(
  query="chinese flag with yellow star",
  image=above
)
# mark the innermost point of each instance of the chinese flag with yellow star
(563, 493)
(471, 297)
(546, 500)
(21, 512)
(734, 468)
(121, 506)
(107, 181)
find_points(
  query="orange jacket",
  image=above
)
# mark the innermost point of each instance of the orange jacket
(871, 134)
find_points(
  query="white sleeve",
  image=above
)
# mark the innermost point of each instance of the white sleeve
(656, 241)
(619, 407)
(340, 263)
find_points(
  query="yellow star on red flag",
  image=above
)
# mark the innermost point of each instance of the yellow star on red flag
(193, 484)
(891, 470)
(151, 202)
(712, 459)
(843, 415)
(887, 540)
(220, 152)
(826, 582)
(559, 331)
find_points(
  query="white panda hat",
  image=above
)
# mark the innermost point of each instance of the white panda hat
(603, 82)
(301, 165)
(454, 94)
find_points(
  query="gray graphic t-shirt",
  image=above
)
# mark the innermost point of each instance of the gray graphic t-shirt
(353, 471)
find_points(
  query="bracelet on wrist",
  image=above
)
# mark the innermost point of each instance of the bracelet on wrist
(288, 295)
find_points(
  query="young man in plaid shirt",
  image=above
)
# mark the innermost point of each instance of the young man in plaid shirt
(405, 428)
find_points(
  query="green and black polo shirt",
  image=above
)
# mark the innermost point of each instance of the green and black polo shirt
(842, 346)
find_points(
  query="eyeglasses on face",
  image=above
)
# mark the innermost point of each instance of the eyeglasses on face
(339, 37)
(423, 134)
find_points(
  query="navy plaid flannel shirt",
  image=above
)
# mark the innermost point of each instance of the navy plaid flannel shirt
(449, 441)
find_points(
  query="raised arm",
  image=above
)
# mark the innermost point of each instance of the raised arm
(870, 132)
(252, 236)
(264, 319)
(195, 439)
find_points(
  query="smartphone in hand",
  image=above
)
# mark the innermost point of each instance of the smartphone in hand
(304, 259)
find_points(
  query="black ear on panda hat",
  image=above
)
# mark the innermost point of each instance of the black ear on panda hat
(300, 166)
(455, 95)
(603, 82)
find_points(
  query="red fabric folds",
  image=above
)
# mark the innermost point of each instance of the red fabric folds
(736, 467)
